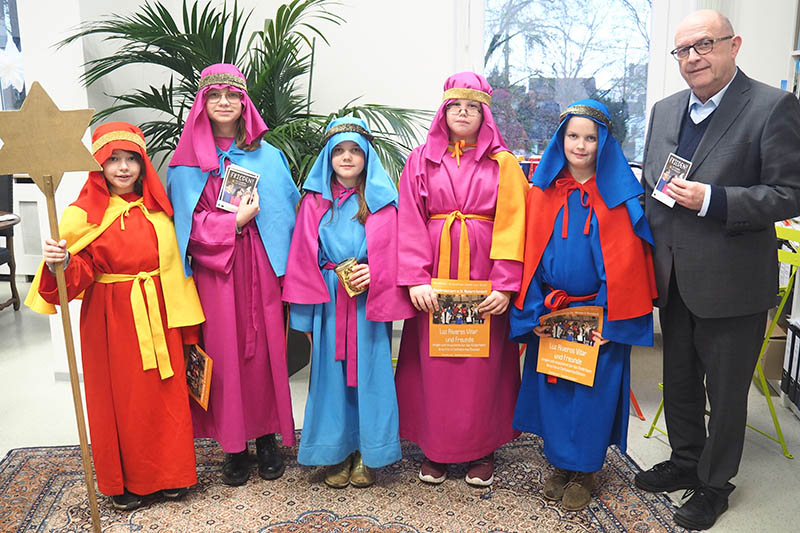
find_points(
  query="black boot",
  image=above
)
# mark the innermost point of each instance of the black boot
(270, 460)
(236, 469)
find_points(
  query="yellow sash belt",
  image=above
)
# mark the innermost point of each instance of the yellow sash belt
(463, 244)
(149, 330)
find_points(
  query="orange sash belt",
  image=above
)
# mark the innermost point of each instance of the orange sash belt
(463, 244)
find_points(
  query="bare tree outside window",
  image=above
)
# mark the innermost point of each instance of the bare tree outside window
(541, 55)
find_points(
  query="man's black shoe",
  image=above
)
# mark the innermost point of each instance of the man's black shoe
(666, 477)
(270, 460)
(702, 509)
(236, 469)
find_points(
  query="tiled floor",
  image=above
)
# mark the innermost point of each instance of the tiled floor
(37, 410)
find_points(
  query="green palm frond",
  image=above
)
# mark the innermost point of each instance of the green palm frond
(276, 60)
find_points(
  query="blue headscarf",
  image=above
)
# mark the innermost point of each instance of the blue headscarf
(614, 177)
(379, 189)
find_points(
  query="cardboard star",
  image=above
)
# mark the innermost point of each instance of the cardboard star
(40, 139)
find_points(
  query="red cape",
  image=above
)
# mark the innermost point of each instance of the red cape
(628, 260)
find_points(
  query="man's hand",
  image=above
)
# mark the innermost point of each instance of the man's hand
(689, 194)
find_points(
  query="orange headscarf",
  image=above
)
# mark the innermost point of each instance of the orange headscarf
(94, 195)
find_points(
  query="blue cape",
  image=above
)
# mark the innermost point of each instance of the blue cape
(379, 189)
(615, 180)
(279, 197)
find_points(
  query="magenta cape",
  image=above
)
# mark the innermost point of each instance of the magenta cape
(385, 300)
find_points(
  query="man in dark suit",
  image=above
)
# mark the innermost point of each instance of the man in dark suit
(715, 253)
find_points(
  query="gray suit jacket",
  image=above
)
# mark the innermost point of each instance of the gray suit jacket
(752, 148)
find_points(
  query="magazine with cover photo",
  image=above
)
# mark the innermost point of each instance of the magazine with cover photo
(238, 185)
(675, 167)
(570, 351)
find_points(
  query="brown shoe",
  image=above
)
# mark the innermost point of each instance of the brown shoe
(432, 472)
(361, 476)
(554, 486)
(578, 492)
(481, 472)
(338, 476)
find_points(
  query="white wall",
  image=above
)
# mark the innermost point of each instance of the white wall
(767, 28)
(56, 71)
(387, 52)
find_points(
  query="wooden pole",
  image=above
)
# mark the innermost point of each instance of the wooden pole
(49, 193)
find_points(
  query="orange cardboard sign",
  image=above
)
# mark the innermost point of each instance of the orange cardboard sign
(571, 353)
(456, 329)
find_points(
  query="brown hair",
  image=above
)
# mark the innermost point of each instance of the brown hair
(363, 210)
(241, 136)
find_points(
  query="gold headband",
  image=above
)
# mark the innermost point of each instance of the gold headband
(467, 94)
(223, 79)
(117, 136)
(589, 111)
(347, 127)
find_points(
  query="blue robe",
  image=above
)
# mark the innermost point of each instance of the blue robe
(576, 422)
(341, 419)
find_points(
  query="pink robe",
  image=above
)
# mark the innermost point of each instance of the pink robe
(244, 330)
(455, 409)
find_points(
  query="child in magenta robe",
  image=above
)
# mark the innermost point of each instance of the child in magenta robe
(460, 409)
(238, 260)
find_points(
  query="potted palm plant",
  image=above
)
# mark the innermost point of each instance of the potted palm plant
(276, 60)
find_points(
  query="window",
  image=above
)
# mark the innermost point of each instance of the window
(542, 55)
(12, 80)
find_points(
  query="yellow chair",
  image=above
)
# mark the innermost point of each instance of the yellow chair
(784, 293)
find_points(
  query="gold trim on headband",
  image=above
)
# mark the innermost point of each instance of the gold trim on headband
(467, 94)
(117, 136)
(589, 111)
(342, 128)
(223, 79)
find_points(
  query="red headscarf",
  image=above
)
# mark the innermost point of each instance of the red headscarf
(94, 195)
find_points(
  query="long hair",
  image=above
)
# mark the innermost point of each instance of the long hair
(363, 210)
(241, 135)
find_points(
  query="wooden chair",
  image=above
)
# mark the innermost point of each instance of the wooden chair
(7, 231)
(784, 293)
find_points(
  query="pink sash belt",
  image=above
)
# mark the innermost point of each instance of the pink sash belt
(346, 330)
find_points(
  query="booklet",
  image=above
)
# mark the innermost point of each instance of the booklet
(238, 185)
(456, 329)
(571, 353)
(198, 375)
(675, 167)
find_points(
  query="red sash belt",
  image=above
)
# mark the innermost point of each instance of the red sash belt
(346, 330)
(558, 299)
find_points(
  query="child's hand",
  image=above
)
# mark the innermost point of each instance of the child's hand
(543, 331)
(359, 276)
(494, 304)
(598, 339)
(308, 336)
(248, 208)
(54, 252)
(423, 298)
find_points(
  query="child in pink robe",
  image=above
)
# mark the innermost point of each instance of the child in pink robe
(237, 260)
(460, 409)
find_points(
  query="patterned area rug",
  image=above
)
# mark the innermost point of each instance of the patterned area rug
(41, 489)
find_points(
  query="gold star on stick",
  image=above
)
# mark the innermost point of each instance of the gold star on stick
(41, 140)
(44, 142)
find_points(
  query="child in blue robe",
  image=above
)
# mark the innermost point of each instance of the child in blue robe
(587, 236)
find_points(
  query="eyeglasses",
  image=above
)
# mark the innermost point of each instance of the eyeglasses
(702, 47)
(232, 97)
(470, 109)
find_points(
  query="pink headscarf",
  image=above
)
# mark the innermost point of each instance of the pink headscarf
(196, 147)
(489, 139)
